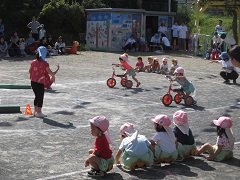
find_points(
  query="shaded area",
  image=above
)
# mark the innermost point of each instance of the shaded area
(110, 176)
(81, 105)
(199, 163)
(55, 123)
(64, 112)
(233, 162)
(5, 124)
(22, 119)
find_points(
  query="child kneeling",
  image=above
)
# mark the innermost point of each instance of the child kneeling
(100, 158)
(135, 150)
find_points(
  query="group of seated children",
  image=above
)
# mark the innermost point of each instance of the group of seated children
(154, 66)
(20, 47)
(166, 145)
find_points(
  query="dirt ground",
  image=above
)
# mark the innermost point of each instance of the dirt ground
(56, 147)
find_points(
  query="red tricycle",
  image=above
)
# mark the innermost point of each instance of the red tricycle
(111, 82)
(167, 98)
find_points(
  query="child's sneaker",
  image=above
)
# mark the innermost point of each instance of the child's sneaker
(94, 172)
(138, 84)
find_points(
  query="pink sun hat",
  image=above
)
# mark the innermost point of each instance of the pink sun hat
(124, 57)
(223, 122)
(180, 119)
(165, 121)
(101, 122)
(127, 128)
(179, 70)
(164, 59)
(162, 120)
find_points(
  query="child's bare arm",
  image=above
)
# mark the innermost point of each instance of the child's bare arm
(117, 157)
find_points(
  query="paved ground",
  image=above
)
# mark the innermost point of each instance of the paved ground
(56, 147)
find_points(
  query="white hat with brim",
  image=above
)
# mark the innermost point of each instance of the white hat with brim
(42, 51)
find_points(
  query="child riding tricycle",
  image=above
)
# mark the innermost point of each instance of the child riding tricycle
(181, 93)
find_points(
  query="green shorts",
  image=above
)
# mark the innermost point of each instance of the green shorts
(186, 151)
(128, 160)
(164, 156)
(131, 72)
(189, 88)
(103, 166)
(223, 155)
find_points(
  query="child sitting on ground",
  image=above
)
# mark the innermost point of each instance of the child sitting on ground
(174, 66)
(100, 158)
(155, 66)
(130, 71)
(164, 66)
(184, 139)
(148, 67)
(164, 140)
(186, 86)
(139, 65)
(223, 149)
(134, 149)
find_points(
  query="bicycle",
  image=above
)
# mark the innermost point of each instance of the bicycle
(178, 97)
(111, 82)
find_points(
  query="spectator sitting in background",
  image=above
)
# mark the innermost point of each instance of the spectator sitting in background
(22, 46)
(130, 44)
(143, 44)
(165, 43)
(155, 42)
(3, 48)
(13, 48)
(43, 42)
(51, 47)
(29, 41)
(216, 39)
(60, 45)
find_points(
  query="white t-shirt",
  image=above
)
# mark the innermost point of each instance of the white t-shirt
(165, 41)
(136, 147)
(60, 44)
(229, 40)
(41, 33)
(219, 28)
(216, 40)
(228, 64)
(164, 66)
(162, 29)
(174, 30)
(155, 40)
(182, 30)
(131, 41)
(163, 140)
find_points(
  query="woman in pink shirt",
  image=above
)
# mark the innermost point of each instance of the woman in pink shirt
(38, 70)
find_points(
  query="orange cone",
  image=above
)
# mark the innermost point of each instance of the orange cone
(28, 110)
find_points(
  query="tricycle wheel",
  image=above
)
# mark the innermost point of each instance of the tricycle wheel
(188, 101)
(111, 82)
(167, 99)
(123, 82)
(177, 99)
(128, 84)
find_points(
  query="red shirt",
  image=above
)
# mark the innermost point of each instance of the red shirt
(126, 65)
(101, 145)
(38, 71)
(139, 64)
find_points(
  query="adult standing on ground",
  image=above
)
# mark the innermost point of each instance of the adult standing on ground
(182, 35)
(1, 28)
(219, 27)
(162, 28)
(174, 29)
(38, 70)
(34, 25)
(229, 40)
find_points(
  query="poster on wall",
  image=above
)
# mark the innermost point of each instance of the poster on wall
(136, 25)
(121, 29)
(98, 30)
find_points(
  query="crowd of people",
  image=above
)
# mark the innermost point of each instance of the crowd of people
(20, 46)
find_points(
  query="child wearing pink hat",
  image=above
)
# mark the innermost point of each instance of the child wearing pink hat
(223, 149)
(134, 150)
(186, 85)
(100, 158)
(184, 137)
(164, 66)
(130, 71)
(164, 140)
